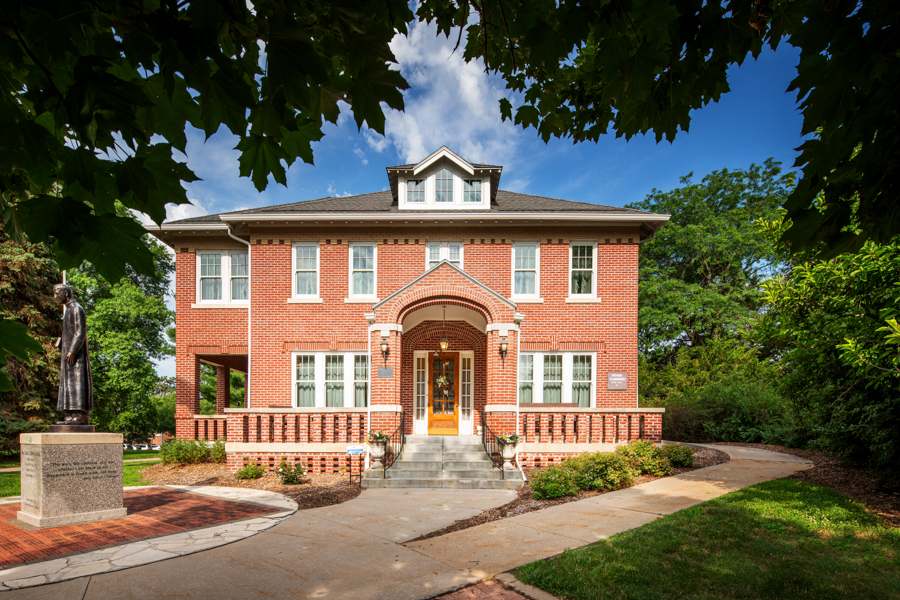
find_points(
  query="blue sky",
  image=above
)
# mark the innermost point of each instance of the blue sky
(456, 104)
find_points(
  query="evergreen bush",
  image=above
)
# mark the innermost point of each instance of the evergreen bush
(250, 471)
(678, 456)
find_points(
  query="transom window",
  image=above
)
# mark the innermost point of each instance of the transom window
(336, 380)
(472, 190)
(560, 377)
(223, 276)
(362, 270)
(306, 270)
(452, 252)
(525, 269)
(583, 269)
(443, 186)
(415, 190)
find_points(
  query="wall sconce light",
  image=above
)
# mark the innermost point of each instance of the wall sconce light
(385, 347)
(445, 343)
(503, 347)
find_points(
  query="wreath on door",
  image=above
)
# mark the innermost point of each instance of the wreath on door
(443, 382)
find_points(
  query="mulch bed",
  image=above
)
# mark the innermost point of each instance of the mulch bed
(316, 490)
(524, 503)
(857, 482)
(151, 513)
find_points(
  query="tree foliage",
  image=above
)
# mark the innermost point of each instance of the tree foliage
(701, 276)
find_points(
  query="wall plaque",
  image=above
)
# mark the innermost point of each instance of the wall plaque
(385, 372)
(617, 380)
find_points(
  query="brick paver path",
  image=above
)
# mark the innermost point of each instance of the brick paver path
(486, 590)
(151, 512)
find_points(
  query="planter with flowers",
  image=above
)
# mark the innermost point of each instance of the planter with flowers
(377, 441)
(508, 443)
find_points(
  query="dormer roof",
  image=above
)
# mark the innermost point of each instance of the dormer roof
(480, 170)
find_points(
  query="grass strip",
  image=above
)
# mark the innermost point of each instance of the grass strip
(779, 539)
(131, 475)
(126, 454)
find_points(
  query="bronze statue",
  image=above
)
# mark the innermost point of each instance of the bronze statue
(76, 392)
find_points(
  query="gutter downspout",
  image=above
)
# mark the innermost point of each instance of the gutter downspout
(518, 321)
(249, 305)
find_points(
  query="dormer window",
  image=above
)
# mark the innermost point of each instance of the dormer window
(415, 191)
(443, 186)
(472, 190)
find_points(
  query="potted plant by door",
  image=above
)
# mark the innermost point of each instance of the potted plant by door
(377, 441)
(508, 443)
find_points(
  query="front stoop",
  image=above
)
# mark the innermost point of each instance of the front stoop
(443, 461)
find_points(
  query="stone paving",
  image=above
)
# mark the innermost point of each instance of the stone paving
(265, 509)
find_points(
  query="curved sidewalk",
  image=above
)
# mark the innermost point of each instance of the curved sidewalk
(356, 549)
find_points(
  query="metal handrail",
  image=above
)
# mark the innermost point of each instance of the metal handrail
(491, 445)
(395, 444)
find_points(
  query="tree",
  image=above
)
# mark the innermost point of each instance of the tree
(701, 276)
(209, 388)
(126, 324)
(28, 403)
(163, 400)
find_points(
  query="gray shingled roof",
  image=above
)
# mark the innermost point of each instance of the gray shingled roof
(382, 202)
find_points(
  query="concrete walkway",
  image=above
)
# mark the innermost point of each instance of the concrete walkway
(356, 549)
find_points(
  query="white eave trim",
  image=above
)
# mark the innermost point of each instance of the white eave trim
(188, 227)
(435, 216)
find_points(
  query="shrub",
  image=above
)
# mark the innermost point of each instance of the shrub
(250, 471)
(601, 471)
(184, 452)
(217, 452)
(678, 456)
(290, 475)
(645, 458)
(553, 482)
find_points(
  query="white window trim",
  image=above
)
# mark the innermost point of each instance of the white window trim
(537, 382)
(225, 301)
(537, 272)
(362, 297)
(593, 246)
(306, 297)
(445, 252)
(458, 187)
(349, 381)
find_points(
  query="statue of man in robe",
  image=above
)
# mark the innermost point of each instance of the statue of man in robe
(76, 391)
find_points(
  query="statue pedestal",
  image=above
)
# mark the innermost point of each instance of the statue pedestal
(71, 478)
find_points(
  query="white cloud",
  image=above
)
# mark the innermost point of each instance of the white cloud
(450, 102)
(362, 155)
(332, 191)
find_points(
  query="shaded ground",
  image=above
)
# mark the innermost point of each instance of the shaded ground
(856, 482)
(524, 503)
(317, 489)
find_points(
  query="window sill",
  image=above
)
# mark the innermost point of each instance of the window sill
(221, 305)
(577, 300)
(309, 300)
(361, 300)
(527, 300)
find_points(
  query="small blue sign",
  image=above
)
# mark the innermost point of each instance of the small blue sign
(356, 449)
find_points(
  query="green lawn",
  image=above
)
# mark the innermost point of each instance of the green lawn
(127, 454)
(780, 539)
(9, 482)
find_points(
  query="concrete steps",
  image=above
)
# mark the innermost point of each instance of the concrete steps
(434, 461)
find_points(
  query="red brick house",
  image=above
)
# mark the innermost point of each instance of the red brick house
(337, 309)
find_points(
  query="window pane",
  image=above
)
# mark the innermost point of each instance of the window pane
(364, 283)
(306, 283)
(334, 381)
(363, 258)
(581, 380)
(581, 282)
(306, 395)
(443, 186)
(526, 367)
(553, 378)
(305, 374)
(306, 258)
(334, 368)
(210, 289)
(415, 190)
(360, 376)
(525, 257)
(472, 190)
(434, 253)
(240, 288)
(453, 252)
(210, 265)
(524, 282)
(359, 394)
(582, 257)
(525, 392)
(239, 265)
(581, 368)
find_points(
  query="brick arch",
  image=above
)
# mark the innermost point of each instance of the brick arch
(442, 301)
(463, 293)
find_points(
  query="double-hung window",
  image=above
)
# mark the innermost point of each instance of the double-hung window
(452, 252)
(557, 377)
(443, 186)
(472, 190)
(223, 277)
(415, 191)
(583, 269)
(330, 379)
(362, 270)
(526, 269)
(306, 270)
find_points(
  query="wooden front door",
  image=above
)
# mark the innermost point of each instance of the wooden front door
(443, 394)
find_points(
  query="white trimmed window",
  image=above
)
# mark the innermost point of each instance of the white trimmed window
(415, 191)
(222, 277)
(306, 270)
(583, 269)
(526, 270)
(329, 379)
(362, 270)
(435, 252)
(443, 186)
(557, 377)
(472, 190)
